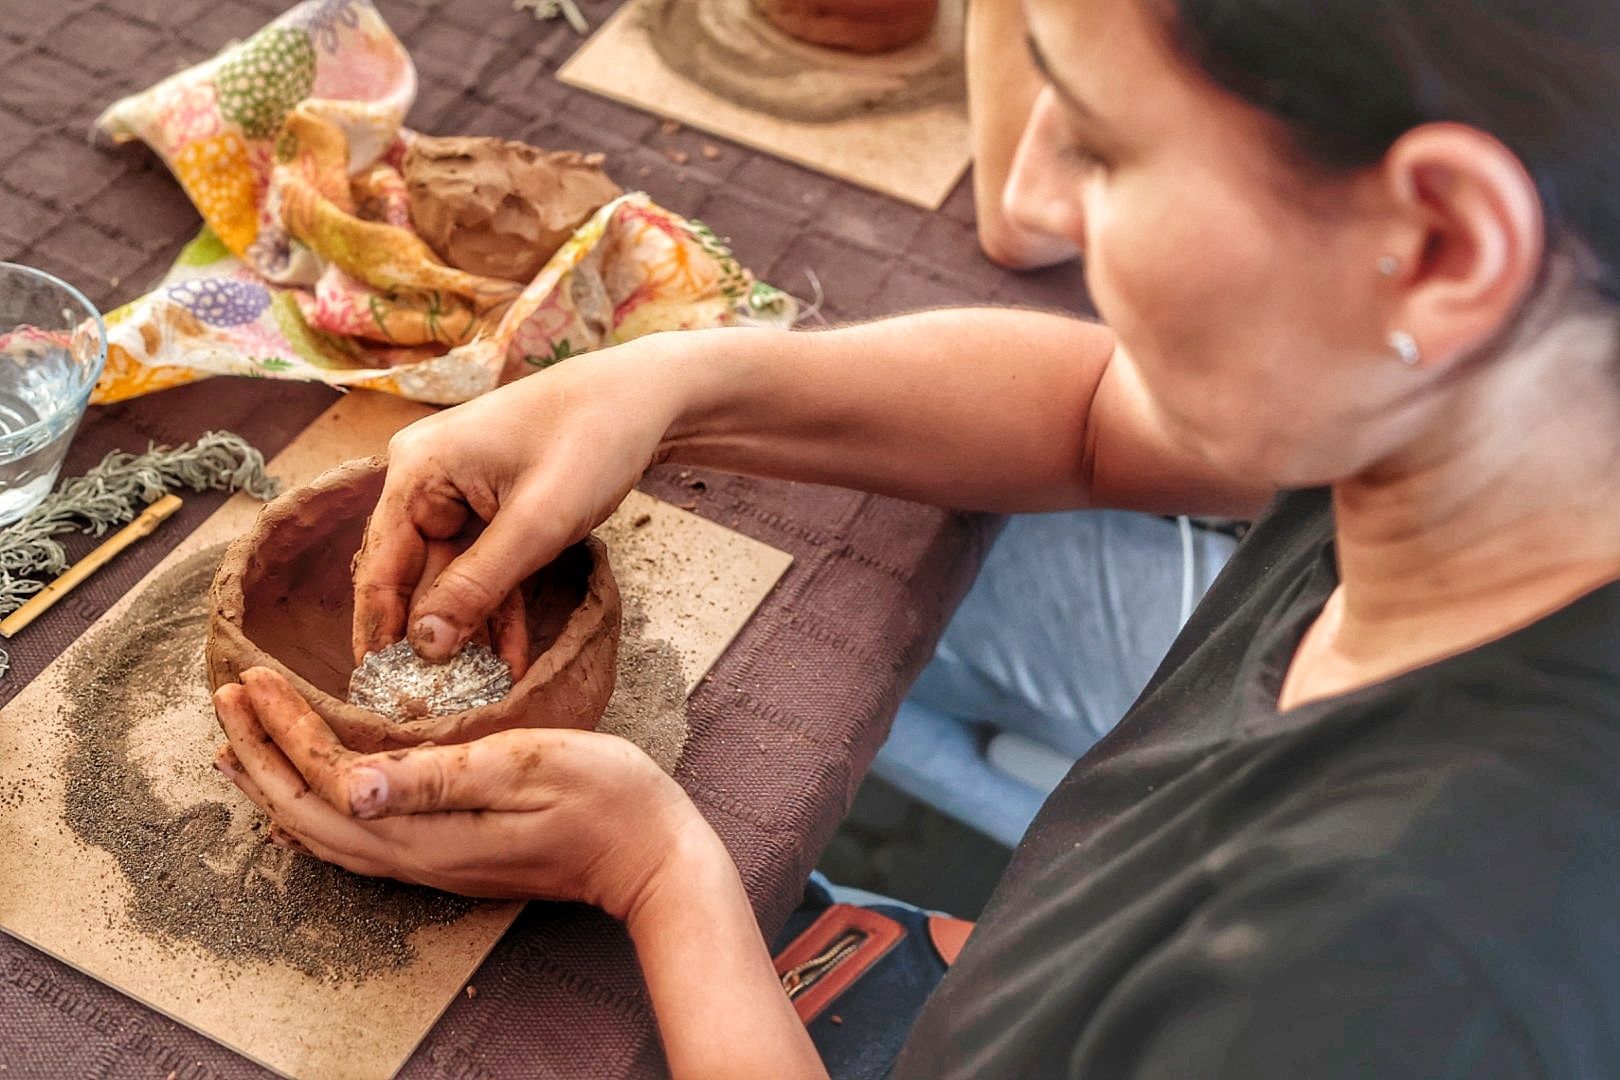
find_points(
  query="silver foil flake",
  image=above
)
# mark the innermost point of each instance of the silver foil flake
(402, 686)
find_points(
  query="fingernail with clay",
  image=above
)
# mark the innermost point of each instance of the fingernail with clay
(368, 792)
(432, 633)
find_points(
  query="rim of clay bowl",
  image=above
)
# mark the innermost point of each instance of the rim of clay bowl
(596, 616)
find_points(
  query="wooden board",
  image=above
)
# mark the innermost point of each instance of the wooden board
(698, 583)
(915, 155)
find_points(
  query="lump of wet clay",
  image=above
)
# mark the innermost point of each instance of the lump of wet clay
(499, 208)
(284, 599)
(402, 686)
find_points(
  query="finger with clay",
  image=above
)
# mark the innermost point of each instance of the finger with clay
(504, 635)
(533, 466)
(523, 813)
(397, 683)
(261, 772)
(507, 631)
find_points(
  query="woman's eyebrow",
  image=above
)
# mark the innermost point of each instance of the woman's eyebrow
(1079, 107)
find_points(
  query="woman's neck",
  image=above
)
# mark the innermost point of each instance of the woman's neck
(1509, 511)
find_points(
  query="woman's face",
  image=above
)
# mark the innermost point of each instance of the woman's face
(1254, 317)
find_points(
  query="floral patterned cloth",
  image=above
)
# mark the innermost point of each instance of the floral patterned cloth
(290, 146)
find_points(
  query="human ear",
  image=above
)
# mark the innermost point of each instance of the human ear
(1469, 239)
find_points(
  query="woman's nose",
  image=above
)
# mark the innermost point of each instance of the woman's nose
(1041, 194)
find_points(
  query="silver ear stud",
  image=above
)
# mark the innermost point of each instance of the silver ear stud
(1406, 347)
(1389, 265)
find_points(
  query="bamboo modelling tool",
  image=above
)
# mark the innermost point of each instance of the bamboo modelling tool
(144, 525)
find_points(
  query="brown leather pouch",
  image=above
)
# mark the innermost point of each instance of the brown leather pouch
(843, 944)
(838, 948)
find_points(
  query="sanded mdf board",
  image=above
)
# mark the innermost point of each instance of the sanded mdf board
(698, 582)
(915, 155)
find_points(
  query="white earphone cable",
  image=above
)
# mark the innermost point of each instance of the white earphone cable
(1188, 569)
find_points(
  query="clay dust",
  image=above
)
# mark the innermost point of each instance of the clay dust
(202, 871)
(648, 706)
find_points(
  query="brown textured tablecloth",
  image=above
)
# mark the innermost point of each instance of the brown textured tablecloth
(786, 726)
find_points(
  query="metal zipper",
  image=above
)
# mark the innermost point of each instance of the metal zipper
(801, 977)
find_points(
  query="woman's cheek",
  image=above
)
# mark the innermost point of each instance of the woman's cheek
(1158, 277)
(1135, 281)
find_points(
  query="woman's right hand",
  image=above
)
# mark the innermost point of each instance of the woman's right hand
(534, 465)
(905, 406)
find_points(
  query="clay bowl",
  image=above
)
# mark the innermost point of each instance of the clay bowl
(283, 599)
(860, 26)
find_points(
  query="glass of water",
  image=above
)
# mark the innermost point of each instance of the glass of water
(52, 348)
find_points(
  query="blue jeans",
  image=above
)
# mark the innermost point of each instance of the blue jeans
(1066, 622)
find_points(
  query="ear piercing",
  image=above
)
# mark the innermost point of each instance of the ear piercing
(1406, 347)
(1404, 344)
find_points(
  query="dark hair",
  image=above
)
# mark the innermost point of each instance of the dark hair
(1349, 77)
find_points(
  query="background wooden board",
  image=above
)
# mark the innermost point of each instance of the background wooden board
(916, 155)
(698, 583)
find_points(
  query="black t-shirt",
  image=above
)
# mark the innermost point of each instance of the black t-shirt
(1416, 879)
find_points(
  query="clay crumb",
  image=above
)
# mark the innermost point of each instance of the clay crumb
(670, 127)
(641, 521)
(679, 157)
(836, 1019)
(472, 991)
(710, 152)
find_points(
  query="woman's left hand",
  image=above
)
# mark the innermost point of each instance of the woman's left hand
(535, 812)
(542, 812)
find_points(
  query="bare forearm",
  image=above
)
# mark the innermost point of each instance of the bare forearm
(972, 408)
(721, 1010)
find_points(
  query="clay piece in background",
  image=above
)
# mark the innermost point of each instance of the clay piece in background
(497, 208)
(861, 26)
(759, 63)
(283, 599)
